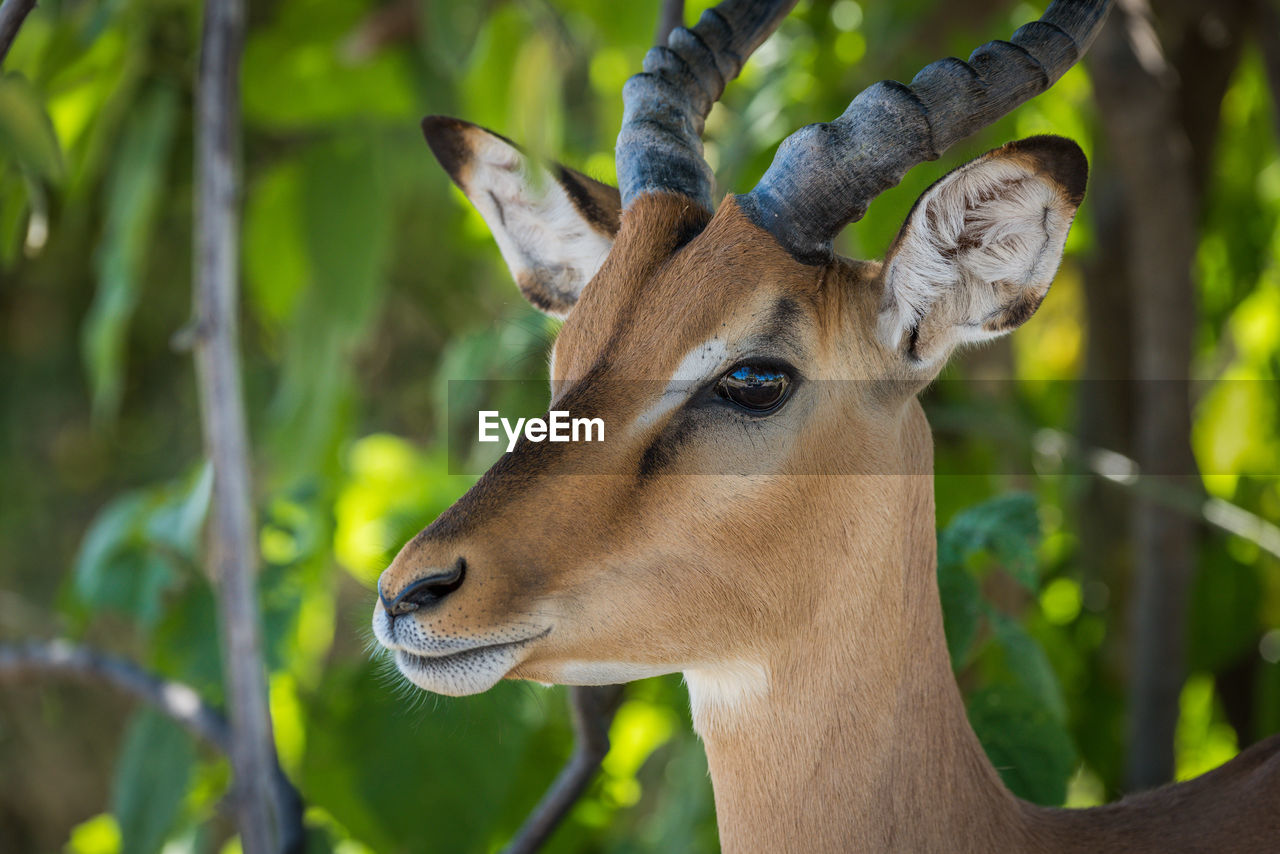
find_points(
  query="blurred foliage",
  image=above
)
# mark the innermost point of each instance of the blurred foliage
(370, 283)
(1015, 702)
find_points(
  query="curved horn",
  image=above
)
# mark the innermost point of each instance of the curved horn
(665, 106)
(824, 175)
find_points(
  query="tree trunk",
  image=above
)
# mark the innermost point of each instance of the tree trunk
(1138, 100)
(261, 815)
(1161, 119)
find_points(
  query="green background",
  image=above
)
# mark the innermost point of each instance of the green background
(369, 283)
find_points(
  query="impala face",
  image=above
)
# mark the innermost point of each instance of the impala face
(747, 395)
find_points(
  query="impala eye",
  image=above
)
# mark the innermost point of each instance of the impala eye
(757, 388)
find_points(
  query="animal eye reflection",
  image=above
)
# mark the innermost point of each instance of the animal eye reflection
(756, 388)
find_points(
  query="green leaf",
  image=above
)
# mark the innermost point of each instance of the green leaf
(454, 32)
(1027, 745)
(535, 86)
(13, 209)
(303, 69)
(1006, 528)
(133, 191)
(275, 254)
(177, 522)
(115, 569)
(132, 551)
(185, 640)
(26, 134)
(1226, 610)
(961, 609)
(1027, 663)
(150, 781)
(520, 734)
(347, 224)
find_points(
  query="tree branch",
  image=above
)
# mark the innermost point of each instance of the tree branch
(1120, 470)
(669, 17)
(175, 699)
(12, 14)
(1138, 101)
(593, 710)
(261, 814)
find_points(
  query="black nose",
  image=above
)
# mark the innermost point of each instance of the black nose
(425, 591)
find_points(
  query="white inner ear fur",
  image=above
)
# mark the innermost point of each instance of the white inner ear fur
(985, 232)
(540, 233)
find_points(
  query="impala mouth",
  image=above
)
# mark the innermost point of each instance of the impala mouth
(470, 671)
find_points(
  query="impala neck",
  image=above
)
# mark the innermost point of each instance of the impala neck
(860, 740)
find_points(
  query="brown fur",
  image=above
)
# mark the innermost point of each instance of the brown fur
(818, 566)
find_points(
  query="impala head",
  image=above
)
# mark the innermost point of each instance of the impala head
(737, 363)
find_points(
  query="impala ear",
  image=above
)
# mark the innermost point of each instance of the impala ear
(554, 226)
(980, 247)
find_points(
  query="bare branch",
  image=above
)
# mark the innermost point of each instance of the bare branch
(261, 814)
(12, 14)
(1123, 471)
(593, 710)
(179, 701)
(669, 17)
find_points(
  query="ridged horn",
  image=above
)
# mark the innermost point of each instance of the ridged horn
(665, 106)
(824, 175)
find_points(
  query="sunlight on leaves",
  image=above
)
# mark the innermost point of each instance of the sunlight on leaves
(98, 835)
(287, 721)
(1202, 741)
(1061, 601)
(638, 729)
(277, 267)
(1056, 347)
(393, 490)
(1234, 428)
(1085, 789)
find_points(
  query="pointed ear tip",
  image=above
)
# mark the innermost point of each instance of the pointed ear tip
(446, 137)
(436, 126)
(1062, 158)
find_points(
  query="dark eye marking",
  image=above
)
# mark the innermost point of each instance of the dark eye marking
(744, 389)
(785, 315)
(663, 449)
(759, 388)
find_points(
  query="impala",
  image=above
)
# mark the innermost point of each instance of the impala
(761, 517)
